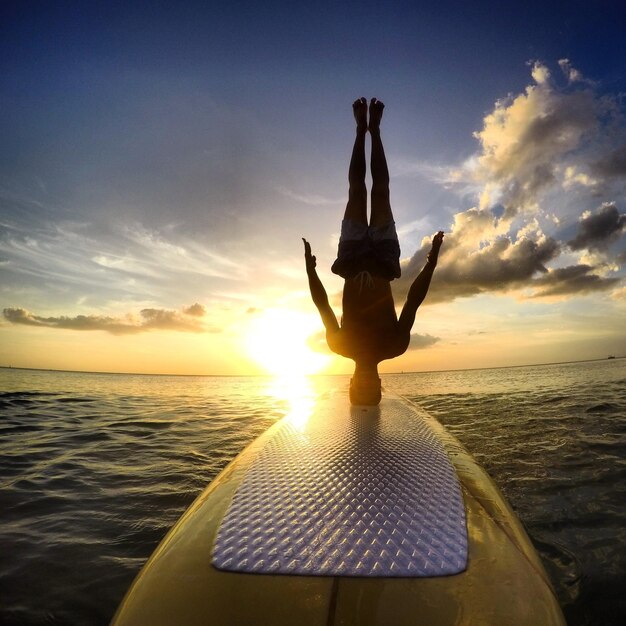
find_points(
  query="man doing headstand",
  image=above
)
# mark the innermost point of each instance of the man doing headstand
(369, 259)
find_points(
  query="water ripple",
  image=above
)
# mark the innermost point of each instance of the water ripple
(94, 469)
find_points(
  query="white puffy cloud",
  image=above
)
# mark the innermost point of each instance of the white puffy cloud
(544, 156)
(570, 72)
(527, 138)
(477, 258)
(540, 73)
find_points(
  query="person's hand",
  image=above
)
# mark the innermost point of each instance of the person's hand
(309, 259)
(433, 255)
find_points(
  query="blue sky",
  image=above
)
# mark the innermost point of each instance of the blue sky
(160, 155)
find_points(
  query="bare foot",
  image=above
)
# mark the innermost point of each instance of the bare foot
(376, 114)
(359, 108)
(433, 255)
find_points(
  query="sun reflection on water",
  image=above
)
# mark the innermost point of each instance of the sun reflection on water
(300, 393)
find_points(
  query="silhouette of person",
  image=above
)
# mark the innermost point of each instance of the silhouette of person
(369, 259)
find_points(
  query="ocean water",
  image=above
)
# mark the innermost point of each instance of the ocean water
(95, 468)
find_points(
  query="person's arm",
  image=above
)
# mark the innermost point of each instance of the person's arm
(420, 286)
(318, 293)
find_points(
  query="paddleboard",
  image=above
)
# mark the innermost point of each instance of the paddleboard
(347, 515)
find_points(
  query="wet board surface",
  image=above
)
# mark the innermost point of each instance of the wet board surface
(350, 491)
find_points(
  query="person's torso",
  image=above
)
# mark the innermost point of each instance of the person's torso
(369, 329)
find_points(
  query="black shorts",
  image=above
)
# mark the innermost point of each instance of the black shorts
(374, 249)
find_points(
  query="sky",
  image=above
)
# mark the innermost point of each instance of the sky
(161, 161)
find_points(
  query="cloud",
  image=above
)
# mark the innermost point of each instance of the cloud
(543, 156)
(526, 138)
(600, 229)
(540, 73)
(575, 279)
(148, 319)
(506, 263)
(197, 310)
(478, 258)
(573, 176)
(570, 72)
(611, 165)
(419, 342)
(126, 262)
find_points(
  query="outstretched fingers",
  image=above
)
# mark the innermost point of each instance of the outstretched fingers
(308, 257)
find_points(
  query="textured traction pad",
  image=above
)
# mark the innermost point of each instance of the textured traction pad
(351, 492)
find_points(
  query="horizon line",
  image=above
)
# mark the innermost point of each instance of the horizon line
(400, 373)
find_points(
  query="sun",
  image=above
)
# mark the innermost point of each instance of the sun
(277, 340)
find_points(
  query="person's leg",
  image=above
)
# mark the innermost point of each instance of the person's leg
(356, 209)
(381, 207)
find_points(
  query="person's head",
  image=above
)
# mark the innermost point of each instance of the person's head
(365, 389)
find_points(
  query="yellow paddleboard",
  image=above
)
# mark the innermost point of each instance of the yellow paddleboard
(347, 515)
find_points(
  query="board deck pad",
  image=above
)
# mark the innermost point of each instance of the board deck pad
(354, 491)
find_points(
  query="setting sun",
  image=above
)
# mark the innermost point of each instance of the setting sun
(277, 340)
